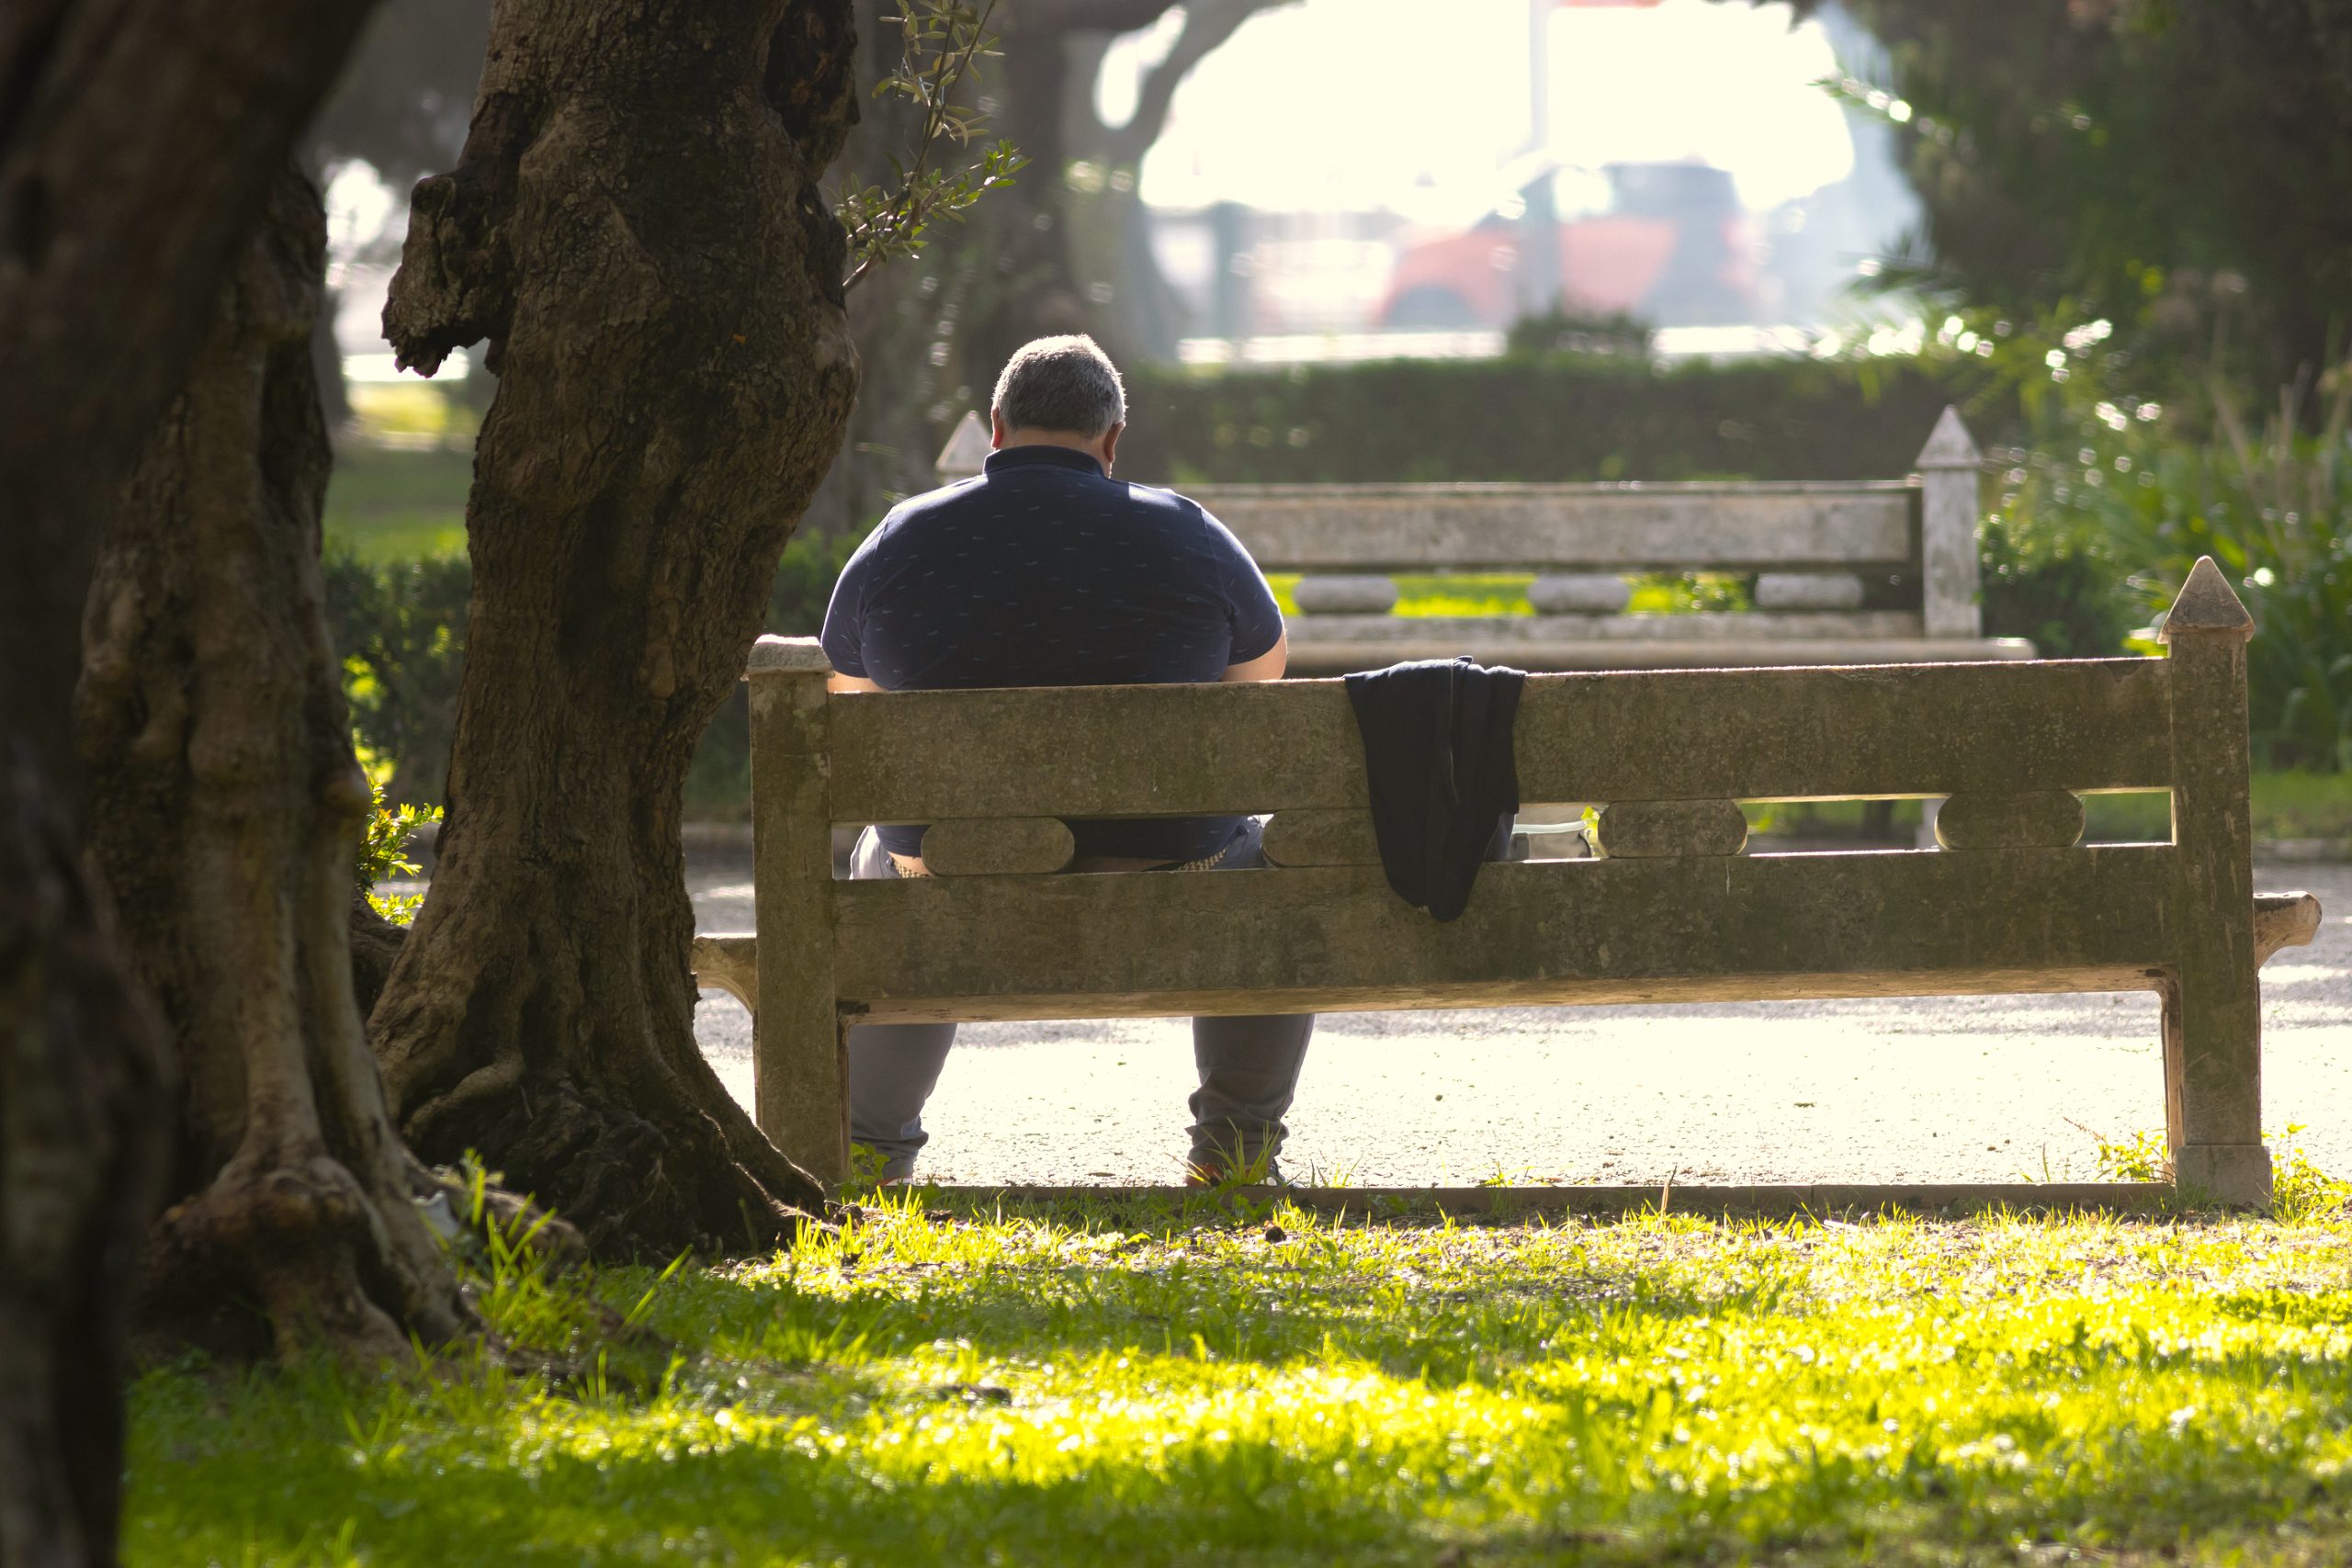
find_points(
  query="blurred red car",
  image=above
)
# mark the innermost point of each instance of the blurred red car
(1671, 249)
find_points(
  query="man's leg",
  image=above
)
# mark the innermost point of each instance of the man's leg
(1249, 1066)
(893, 1067)
(1248, 1070)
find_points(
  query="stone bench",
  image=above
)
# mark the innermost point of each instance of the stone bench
(1812, 549)
(1673, 911)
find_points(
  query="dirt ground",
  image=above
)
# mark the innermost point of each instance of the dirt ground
(1950, 1088)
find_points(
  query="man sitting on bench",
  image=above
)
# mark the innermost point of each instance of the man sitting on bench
(1046, 571)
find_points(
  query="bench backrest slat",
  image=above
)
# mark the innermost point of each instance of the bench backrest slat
(1431, 528)
(1666, 735)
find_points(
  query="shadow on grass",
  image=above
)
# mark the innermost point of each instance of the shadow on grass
(1138, 1388)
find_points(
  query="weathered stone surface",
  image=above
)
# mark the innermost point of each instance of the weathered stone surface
(1361, 593)
(1653, 830)
(729, 962)
(1675, 914)
(1322, 837)
(1563, 643)
(2207, 603)
(1951, 471)
(2212, 1004)
(800, 1074)
(997, 846)
(2047, 819)
(1335, 939)
(1568, 527)
(1948, 445)
(1808, 590)
(2283, 920)
(2238, 1175)
(1809, 539)
(1668, 735)
(1579, 593)
(785, 654)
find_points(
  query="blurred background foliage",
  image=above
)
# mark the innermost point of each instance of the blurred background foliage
(2132, 270)
(2132, 232)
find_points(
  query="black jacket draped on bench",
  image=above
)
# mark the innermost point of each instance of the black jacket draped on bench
(1443, 774)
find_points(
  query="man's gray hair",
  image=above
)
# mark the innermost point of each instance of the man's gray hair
(1063, 384)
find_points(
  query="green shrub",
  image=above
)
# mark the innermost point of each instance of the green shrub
(804, 581)
(383, 846)
(401, 629)
(1541, 417)
(2273, 509)
(2057, 589)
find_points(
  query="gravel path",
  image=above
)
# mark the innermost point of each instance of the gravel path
(1955, 1089)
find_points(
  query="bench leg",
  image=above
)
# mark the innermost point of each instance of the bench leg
(2213, 1100)
(799, 1087)
(2213, 1000)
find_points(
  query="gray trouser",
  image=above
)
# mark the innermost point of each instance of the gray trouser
(1249, 1066)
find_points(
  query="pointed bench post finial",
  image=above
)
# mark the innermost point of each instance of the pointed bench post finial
(966, 452)
(1949, 574)
(2212, 1004)
(2208, 604)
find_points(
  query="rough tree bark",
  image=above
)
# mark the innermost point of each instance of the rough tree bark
(223, 806)
(636, 227)
(136, 139)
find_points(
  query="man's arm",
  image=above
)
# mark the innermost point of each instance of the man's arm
(1267, 666)
(837, 682)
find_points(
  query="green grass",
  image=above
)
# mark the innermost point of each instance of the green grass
(1505, 594)
(393, 506)
(1151, 1385)
(2285, 805)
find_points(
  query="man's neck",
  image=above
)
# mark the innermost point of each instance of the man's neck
(1062, 438)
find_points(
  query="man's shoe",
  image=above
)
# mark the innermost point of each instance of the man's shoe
(1215, 1173)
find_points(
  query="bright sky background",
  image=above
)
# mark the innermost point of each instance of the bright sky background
(1337, 105)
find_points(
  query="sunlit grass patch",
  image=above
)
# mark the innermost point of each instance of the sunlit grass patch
(1145, 1383)
(1505, 593)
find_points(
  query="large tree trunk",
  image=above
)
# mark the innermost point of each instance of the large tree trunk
(224, 809)
(637, 227)
(84, 1082)
(136, 140)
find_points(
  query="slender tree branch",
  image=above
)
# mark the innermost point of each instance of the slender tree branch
(1207, 25)
(930, 77)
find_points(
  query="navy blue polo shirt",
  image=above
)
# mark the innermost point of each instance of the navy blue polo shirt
(1046, 571)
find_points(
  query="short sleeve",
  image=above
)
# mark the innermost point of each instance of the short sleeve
(1257, 619)
(844, 634)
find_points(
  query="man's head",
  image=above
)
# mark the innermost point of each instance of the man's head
(1061, 391)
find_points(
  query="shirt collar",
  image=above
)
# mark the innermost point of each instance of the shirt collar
(1048, 457)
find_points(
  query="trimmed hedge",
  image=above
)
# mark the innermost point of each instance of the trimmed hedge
(1529, 418)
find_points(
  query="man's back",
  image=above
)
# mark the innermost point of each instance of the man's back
(1047, 572)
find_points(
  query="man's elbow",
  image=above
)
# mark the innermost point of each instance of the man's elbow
(1267, 666)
